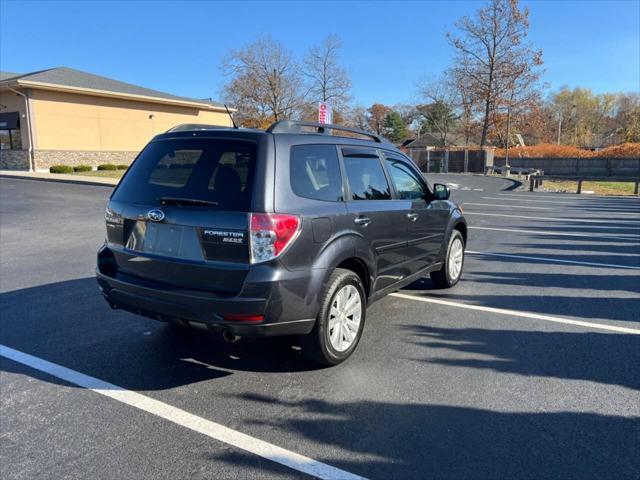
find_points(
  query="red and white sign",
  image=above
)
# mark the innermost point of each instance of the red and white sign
(324, 113)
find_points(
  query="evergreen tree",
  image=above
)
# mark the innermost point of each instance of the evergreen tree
(395, 129)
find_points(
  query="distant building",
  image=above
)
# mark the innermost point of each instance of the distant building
(66, 116)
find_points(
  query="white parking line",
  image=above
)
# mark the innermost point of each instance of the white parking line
(553, 260)
(546, 232)
(516, 313)
(525, 200)
(568, 196)
(623, 210)
(554, 219)
(504, 206)
(180, 417)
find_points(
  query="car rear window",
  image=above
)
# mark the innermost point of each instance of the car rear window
(315, 172)
(217, 171)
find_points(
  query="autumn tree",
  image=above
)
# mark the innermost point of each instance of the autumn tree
(326, 79)
(587, 119)
(377, 117)
(265, 83)
(627, 117)
(493, 60)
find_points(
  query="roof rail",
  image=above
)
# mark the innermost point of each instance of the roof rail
(185, 127)
(291, 126)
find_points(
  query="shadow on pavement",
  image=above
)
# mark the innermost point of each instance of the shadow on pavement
(400, 441)
(566, 280)
(586, 307)
(606, 358)
(70, 324)
(379, 439)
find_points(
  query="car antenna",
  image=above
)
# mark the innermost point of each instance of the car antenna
(230, 116)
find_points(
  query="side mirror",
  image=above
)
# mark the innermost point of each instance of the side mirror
(441, 191)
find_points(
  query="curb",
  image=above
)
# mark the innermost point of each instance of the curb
(79, 181)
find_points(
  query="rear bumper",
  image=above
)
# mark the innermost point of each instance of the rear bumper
(287, 307)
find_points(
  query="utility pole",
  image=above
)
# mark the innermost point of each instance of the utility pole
(559, 125)
(506, 157)
(574, 117)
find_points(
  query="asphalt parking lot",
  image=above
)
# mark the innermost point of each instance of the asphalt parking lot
(529, 368)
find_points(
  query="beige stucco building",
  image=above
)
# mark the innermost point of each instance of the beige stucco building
(65, 116)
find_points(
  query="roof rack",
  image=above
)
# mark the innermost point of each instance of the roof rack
(185, 127)
(291, 126)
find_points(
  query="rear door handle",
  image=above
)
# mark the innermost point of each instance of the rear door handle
(412, 216)
(364, 221)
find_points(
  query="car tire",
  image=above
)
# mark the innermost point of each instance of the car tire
(451, 270)
(340, 321)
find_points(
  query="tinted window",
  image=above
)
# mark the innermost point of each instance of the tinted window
(315, 172)
(408, 186)
(199, 169)
(366, 178)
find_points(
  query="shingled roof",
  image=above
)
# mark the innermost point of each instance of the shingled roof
(75, 79)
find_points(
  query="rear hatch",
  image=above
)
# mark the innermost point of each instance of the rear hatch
(179, 216)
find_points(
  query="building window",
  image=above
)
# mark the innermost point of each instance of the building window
(10, 138)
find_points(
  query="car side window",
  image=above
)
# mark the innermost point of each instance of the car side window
(407, 185)
(365, 174)
(315, 172)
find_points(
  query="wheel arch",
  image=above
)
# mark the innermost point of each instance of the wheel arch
(359, 267)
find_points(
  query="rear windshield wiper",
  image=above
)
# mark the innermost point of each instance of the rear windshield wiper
(185, 201)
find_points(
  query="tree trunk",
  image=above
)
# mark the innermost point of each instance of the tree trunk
(485, 123)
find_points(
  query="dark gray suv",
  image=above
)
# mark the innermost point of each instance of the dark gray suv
(288, 231)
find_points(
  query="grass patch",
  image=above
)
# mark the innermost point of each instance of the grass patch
(599, 188)
(102, 173)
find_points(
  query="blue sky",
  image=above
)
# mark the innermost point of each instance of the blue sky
(388, 46)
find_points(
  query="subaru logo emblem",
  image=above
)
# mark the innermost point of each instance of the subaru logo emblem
(155, 215)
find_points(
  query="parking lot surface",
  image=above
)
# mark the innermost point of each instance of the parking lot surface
(529, 368)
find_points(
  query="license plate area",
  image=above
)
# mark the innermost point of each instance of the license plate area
(174, 241)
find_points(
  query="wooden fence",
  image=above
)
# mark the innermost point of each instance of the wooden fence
(451, 161)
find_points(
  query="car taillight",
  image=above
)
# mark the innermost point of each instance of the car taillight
(271, 233)
(113, 217)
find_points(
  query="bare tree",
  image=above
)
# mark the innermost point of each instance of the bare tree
(265, 84)
(326, 79)
(358, 117)
(468, 103)
(492, 56)
(441, 103)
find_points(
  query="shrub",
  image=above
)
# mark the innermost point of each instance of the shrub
(625, 150)
(82, 168)
(122, 167)
(107, 166)
(544, 150)
(61, 169)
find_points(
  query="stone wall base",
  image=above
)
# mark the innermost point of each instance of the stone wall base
(46, 158)
(14, 160)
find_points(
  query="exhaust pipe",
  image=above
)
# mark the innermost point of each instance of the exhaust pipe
(230, 337)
